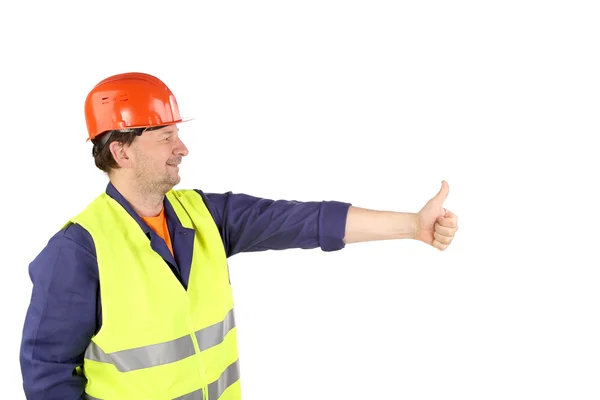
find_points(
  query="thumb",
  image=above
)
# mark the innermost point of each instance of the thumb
(441, 196)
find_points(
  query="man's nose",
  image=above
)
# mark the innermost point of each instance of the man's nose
(180, 148)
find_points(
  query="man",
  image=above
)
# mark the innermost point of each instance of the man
(132, 298)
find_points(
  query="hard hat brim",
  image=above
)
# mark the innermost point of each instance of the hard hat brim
(179, 121)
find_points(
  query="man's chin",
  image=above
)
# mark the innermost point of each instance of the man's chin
(170, 183)
(174, 180)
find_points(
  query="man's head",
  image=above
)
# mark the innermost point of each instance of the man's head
(132, 120)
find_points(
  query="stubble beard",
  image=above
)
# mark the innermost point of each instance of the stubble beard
(153, 184)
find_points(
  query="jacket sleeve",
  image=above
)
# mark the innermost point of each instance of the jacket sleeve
(61, 317)
(249, 223)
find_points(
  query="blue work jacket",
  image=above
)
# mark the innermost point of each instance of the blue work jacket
(65, 309)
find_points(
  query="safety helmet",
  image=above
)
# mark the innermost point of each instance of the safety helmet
(130, 100)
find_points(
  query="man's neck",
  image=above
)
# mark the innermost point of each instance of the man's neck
(146, 203)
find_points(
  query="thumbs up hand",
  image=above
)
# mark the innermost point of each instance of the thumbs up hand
(436, 226)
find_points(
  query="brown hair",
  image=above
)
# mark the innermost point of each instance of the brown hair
(101, 151)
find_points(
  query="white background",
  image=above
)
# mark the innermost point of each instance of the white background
(371, 102)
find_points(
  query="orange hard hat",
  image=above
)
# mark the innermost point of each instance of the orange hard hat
(130, 100)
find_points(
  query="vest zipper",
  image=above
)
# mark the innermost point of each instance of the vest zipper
(200, 366)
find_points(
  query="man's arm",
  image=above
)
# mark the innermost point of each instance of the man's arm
(61, 317)
(433, 224)
(250, 223)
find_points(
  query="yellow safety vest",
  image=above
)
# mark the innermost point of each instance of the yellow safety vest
(157, 340)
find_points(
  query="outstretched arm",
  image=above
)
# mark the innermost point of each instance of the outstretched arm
(433, 224)
(249, 223)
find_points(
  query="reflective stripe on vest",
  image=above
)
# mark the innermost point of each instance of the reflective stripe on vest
(215, 389)
(162, 353)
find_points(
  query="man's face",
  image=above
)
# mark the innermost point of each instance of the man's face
(155, 158)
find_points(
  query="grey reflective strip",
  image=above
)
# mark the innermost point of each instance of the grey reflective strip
(215, 389)
(227, 378)
(215, 334)
(195, 395)
(144, 357)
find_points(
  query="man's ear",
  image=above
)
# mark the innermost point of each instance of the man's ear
(120, 153)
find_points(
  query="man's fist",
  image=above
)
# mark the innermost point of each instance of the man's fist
(437, 226)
